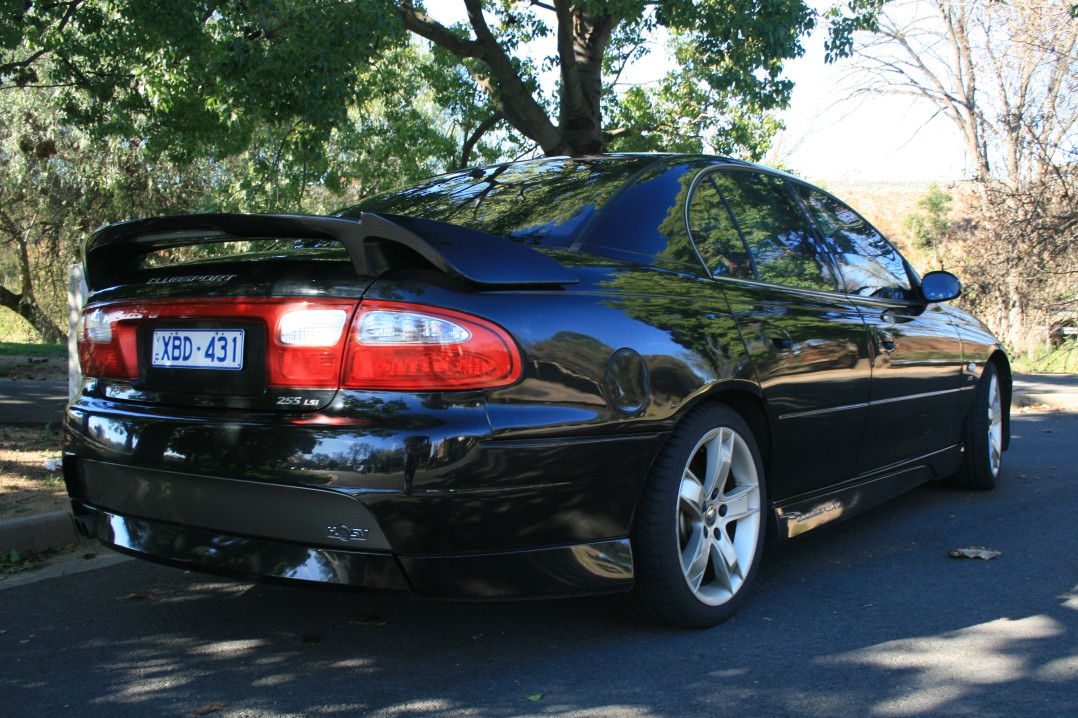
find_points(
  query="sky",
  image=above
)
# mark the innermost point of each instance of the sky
(882, 139)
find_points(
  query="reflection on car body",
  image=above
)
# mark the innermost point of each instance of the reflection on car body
(555, 377)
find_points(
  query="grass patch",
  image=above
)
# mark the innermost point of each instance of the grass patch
(37, 350)
(1057, 360)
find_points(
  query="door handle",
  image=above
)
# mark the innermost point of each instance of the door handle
(885, 341)
(779, 339)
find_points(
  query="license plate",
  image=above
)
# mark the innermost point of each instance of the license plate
(198, 349)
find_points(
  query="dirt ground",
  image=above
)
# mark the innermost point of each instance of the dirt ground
(26, 486)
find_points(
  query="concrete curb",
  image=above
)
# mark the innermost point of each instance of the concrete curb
(38, 533)
(1058, 392)
(56, 530)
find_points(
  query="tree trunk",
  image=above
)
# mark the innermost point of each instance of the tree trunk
(29, 310)
(582, 41)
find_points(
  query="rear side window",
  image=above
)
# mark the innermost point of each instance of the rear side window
(646, 224)
(870, 266)
(781, 245)
(715, 234)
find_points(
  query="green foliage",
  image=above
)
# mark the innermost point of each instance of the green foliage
(14, 562)
(1060, 359)
(281, 82)
(929, 226)
(57, 183)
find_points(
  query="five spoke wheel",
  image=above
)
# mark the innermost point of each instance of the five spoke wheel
(718, 515)
(698, 535)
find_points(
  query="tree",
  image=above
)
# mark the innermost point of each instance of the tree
(57, 186)
(730, 59)
(1006, 75)
(928, 226)
(290, 106)
(208, 74)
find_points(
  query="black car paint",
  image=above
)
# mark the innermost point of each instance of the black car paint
(530, 489)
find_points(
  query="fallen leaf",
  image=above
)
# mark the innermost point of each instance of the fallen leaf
(975, 552)
(209, 708)
(534, 698)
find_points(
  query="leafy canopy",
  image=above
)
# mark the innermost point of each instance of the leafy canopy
(307, 88)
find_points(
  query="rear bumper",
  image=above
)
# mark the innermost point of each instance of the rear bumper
(434, 507)
(591, 568)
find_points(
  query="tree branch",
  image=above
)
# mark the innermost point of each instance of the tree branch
(418, 22)
(473, 139)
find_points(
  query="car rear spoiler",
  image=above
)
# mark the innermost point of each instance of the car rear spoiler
(375, 244)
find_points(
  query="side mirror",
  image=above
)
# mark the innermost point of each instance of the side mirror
(940, 287)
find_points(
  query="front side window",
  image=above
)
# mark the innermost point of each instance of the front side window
(782, 247)
(870, 266)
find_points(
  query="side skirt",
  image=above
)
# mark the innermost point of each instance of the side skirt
(802, 514)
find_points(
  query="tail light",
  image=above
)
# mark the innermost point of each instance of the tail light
(410, 347)
(102, 341)
(305, 345)
(387, 345)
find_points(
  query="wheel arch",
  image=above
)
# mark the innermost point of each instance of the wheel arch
(747, 400)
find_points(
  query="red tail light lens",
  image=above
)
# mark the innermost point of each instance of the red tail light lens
(103, 343)
(410, 347)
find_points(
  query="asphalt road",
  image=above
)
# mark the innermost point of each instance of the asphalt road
(868, 618)
(32, 403)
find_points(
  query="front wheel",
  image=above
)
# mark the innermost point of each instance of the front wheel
(698, 534)
(983, 437)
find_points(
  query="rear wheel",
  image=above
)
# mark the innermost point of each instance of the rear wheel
(983, 435)
(698, 535)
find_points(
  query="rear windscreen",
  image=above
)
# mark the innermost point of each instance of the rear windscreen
(249, 249)
(539, 203)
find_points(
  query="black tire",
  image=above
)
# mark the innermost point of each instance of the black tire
(983, 435)
(718, 530)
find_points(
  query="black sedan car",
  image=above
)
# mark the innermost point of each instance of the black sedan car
(555, 377)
